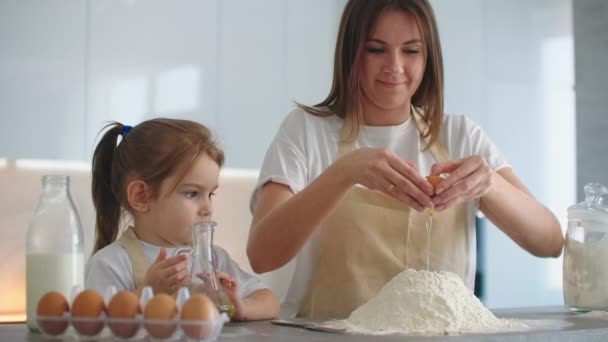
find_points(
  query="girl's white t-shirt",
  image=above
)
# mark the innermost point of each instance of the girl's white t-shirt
(111, 266)
(306, 145)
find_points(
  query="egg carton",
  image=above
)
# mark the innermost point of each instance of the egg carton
(132, 329)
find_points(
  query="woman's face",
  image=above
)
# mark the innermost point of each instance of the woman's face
(394, 60)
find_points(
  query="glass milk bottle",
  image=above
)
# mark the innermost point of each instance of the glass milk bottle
(54, 245)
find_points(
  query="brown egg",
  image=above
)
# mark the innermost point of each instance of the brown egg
(434, 180)
(199, 312)
(52, 304)
(122, 311)
(161, 310)
(86, 308)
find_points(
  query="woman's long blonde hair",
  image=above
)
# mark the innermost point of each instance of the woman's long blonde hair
(345, 98)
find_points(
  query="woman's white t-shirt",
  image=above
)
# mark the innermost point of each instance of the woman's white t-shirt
(306, 145)
(111, 266)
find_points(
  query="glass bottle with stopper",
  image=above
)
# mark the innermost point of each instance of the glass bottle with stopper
(202, 271)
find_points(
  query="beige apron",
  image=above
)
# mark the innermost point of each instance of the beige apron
(371, 237)
(131, 244)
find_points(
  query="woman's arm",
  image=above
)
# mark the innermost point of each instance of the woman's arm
(283, 222)
(504, 199)
(513, 209)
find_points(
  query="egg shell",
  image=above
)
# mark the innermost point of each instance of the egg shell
(52, 304)
(122, 311)
(434, 180)
(159, 314)
(198, 316)
(86, 308)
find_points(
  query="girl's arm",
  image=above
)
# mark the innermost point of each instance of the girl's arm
(259, 305)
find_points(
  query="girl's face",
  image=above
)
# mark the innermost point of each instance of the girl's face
(174, 211)
(394, 60)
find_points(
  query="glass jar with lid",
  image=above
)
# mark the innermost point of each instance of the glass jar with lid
(586, 252)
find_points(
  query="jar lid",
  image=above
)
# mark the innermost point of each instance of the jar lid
(595, 206)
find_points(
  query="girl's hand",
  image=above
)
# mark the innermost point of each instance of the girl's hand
(380, 169)
(230, 286)
(167, 275)
(469, 178)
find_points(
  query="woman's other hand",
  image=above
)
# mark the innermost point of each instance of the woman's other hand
(469, 178)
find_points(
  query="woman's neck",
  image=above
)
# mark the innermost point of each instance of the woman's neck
(376, 116)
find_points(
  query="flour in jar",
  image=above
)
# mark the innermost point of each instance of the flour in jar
(586, 273)
(425, 303)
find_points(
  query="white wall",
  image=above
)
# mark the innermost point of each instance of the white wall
(42, 79)
(591, 34)
(510, 66)
(235, 65)
(531, 98)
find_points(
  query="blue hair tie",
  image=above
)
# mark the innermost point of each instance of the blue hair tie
(125, 129)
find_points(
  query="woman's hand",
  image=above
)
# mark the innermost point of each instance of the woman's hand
(468, 179)
(167, 275)
(380, 169)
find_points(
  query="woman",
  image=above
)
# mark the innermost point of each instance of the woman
(342, 186)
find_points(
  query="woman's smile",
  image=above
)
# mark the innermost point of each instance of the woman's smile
(391, 84)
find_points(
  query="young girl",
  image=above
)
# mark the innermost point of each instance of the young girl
(164, 173)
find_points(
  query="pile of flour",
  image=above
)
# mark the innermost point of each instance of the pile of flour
(425, 303)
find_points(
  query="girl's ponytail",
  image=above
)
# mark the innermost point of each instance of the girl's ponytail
(107, 204)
